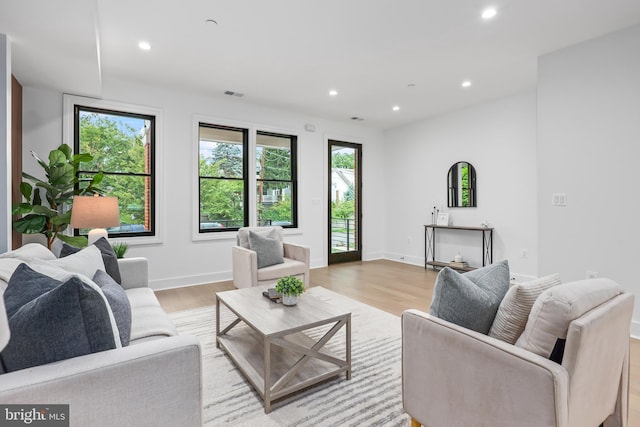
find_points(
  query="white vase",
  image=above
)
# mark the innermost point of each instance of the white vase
(458, 258)
(288, 299)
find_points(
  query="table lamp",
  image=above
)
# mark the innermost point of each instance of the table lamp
(96, 213)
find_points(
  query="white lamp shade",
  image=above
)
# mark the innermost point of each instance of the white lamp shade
(95, 212)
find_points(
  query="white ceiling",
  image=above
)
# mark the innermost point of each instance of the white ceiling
(289, 53)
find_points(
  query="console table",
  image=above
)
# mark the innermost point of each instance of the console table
(430, 245)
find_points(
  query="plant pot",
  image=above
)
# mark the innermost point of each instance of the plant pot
(288, 299)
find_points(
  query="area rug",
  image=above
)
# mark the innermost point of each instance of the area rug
(373, 396)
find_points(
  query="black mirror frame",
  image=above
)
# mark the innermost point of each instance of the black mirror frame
(452, 186)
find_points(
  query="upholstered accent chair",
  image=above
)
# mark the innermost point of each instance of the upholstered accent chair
(453, 376)
(261, 257)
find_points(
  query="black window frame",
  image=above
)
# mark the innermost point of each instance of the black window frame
(294, 175)
(244, 179)
(77, 108)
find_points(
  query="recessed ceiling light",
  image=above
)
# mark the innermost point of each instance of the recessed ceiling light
(489, 13)
(466, 83)
(144, 45)
(396, 108)
(333, 92)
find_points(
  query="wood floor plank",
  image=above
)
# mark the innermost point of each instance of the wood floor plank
(388, 285)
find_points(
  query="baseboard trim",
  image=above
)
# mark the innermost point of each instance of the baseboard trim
(184, 281)
(405, 259)
(635, 329)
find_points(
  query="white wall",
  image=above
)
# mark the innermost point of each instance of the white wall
(588, 148)
(499, 139)
(5, 143)
(178, 260)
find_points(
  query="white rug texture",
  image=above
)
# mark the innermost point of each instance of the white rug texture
(372, 397)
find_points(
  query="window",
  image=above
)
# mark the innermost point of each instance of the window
(122, 145)
(227, 171)
(276, 195)
(222, 167)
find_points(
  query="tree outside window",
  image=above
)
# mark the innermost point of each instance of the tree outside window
(122, 146)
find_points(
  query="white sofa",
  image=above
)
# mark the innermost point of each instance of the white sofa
(154, 381)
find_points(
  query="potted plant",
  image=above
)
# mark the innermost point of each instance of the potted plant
(290, 287)
(47, 215)
(120, 248)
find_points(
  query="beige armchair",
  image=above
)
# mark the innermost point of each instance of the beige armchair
(245, 261)
(452, 376)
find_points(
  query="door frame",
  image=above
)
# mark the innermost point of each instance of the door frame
(334, 258)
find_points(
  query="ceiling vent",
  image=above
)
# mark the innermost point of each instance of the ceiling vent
(232, 93)
(357, 119)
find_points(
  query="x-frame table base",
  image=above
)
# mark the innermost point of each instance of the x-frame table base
(280, 364)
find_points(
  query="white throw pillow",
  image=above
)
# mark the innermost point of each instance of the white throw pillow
(85, 262)
(30, 252)
(557, 307)
(516, 305)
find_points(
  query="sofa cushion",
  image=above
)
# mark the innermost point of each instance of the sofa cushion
(268, 248)
(119, 303)
(30, 252)
(470, 299)
(148, 319)
(556, 308)
(85, 262)
(52, 320)
(515, 307)
(109, 257)
(290, 267)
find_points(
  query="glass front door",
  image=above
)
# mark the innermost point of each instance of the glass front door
(345, 243)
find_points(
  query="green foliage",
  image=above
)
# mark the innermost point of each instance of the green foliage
(465, 185)
(344, 209)
(350, 194)
(280, 211)
(343, 160)
(59, 189)
(113, 147)
(290, 285)
(120, 249)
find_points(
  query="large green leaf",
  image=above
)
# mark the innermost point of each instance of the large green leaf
(25, 190)
(21, 208)
(78, 241)
(66, 150)
(82, 158)
(43, 210)
(30, 224)
(61, 175)
(57, 158)
(64, 218)
(31, 177)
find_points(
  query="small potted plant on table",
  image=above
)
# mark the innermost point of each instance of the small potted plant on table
(290, 287)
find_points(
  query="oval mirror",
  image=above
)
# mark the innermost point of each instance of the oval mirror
(461, 186)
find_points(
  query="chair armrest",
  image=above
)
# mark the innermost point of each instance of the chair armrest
(155, 383)
(134, 272)
(245, 267)
(454, 376)
(297, 252)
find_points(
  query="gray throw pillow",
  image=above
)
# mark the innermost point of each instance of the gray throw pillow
(119, 303)
(108, 256)
(470, 300)
(52, 320)
(268, 249)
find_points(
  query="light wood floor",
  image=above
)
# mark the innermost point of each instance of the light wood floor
(387, 285)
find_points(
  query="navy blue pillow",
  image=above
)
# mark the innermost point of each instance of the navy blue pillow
(108, 256)
(119, 303)
(50, 320)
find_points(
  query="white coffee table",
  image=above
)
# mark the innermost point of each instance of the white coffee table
(273, 352)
